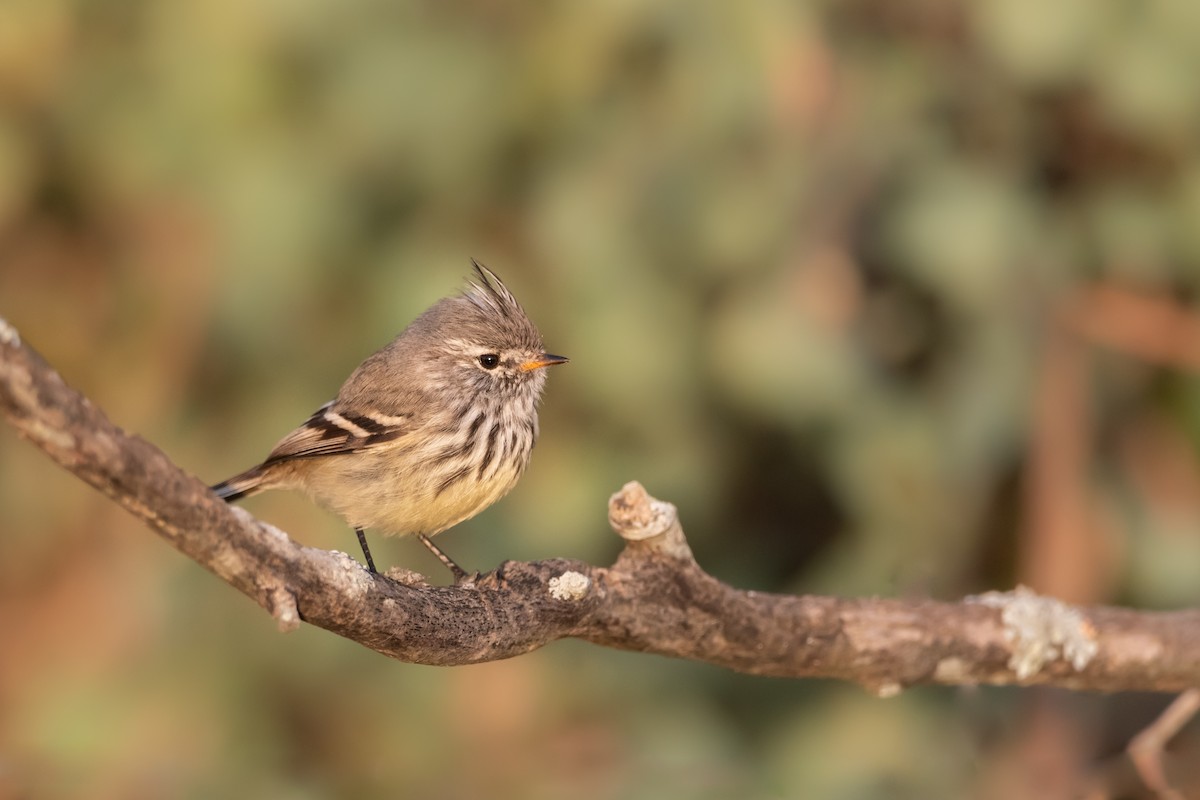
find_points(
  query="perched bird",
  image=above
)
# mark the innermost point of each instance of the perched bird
(428, 431)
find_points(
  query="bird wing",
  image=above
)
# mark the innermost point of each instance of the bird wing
(330, 432)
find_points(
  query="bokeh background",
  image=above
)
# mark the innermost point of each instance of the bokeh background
(889, 298)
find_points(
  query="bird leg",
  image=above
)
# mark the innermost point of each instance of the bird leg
(362, 540)
(460, 574)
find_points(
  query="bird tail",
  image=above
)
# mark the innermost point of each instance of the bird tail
(241, 485)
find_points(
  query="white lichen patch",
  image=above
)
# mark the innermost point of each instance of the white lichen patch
(8, 334)
(1041, 630)
(886, 691)
(570, 585)
(358, 580)
(406, 576)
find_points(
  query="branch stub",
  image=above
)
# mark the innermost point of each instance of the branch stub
(638, 517)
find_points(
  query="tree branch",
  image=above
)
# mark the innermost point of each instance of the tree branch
(654, 599)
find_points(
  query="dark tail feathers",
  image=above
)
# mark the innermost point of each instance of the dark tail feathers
(239, 486)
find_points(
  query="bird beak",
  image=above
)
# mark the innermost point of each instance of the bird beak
(544, 360)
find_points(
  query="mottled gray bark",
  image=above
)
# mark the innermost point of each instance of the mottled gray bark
(654, 599)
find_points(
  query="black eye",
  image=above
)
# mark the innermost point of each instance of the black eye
(489, 360)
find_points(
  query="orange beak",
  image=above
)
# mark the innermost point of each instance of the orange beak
(544, 360)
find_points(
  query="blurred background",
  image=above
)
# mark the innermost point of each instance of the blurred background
(888, 298)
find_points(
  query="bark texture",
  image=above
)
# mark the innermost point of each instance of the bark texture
(654, 599)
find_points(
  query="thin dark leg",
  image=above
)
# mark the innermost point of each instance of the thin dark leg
(362, 539)
(460, 574)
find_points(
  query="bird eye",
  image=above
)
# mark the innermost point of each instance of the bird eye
(489, 360)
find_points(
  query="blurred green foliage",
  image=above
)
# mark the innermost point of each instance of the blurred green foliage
(802, 256)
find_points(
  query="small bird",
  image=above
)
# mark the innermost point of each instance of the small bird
(428, 431)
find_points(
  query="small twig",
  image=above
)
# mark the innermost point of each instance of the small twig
(1147, 749)
(1152, 328)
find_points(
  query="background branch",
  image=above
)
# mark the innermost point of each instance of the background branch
(654, 599)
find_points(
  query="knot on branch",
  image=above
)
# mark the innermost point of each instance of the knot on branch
(282, 605)
(638, 517)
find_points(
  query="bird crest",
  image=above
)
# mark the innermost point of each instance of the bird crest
(490, 294)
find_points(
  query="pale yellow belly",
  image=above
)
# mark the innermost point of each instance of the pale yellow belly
(369, 491)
